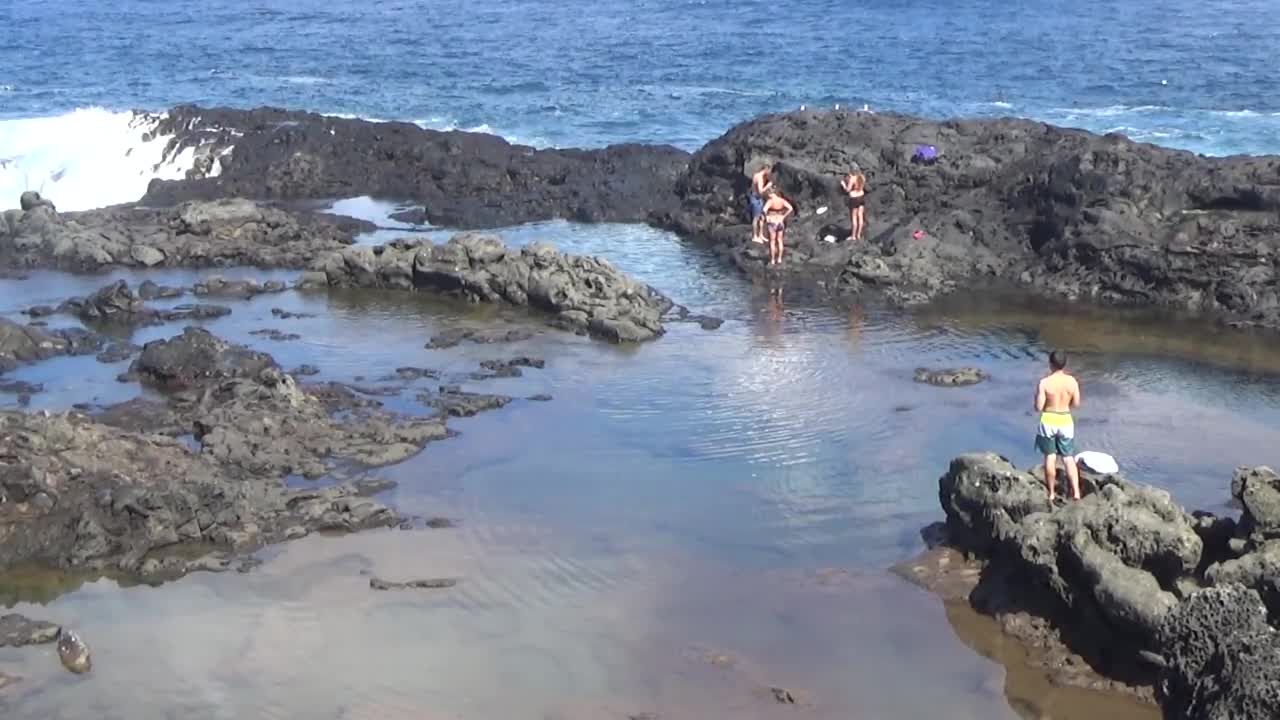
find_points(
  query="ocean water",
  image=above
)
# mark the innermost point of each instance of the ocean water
(1194, 74)
(689, 522)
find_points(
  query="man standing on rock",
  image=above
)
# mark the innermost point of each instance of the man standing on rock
(1056, 395)
(761, 184)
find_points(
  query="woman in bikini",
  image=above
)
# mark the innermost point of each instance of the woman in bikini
(776, 211)
(855, 187)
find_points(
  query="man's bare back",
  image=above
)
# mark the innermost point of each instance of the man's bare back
(1058, 392)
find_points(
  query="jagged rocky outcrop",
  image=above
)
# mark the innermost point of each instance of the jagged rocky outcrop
(195, 358)
(463, 179)
(585, 294)
(224, 231)
(205, 465)
(1061, 211)
(1145, 592)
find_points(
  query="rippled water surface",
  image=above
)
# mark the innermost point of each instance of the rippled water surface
(687, 524)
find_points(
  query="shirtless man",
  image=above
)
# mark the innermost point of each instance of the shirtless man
(761, 184)
(776, 211)
(1056, 395)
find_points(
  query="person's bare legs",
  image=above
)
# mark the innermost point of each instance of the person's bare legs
(757, 229)
(1051, 475)
(853, 223)
(1073, 473)
(862, 222)
(782, 242)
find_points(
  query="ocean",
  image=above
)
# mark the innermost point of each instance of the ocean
(688, 523)
(1184, 73)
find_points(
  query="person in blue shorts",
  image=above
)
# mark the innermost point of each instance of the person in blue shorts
(761, 184)
(1056, 395)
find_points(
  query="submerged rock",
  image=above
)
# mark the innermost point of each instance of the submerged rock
(507, 368)
(149, 290)
(451, 400)
(428, 584)
(20, 387)
(277, 335)
(118, 352)
(116, 304)
(583, 294)
(950, 376)
(454, 337)
(240, 289)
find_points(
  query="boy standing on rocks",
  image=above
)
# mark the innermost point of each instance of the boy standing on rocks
(1056, 394)
(761, 184)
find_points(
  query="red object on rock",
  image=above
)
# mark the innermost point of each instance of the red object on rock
(918, 234)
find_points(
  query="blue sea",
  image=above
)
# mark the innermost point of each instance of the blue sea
(1194, 74)
(688, 523)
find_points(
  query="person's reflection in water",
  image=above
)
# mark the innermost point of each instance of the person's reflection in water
(774, 313)
(854, 327)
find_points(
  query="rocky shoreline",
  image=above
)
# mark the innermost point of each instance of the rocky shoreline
(1122, 590)
(1060, 212)
(120, 489)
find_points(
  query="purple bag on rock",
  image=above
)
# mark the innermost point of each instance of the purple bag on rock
(925, 154)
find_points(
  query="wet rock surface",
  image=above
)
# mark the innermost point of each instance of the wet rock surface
(73, 653)
(1123, 587)
(17, 631)
(466, 180)
(225, 231)
(24, 344)
(582, 294)
(949, 377)
(1060, 211)
(194, 358)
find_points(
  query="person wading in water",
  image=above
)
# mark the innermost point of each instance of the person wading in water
(1056, 395)
(855, 188)
(776, 211)
(761, 184)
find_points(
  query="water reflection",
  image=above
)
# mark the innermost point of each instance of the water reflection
(675, 501)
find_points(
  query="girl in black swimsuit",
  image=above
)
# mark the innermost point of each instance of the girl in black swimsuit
(855, 187)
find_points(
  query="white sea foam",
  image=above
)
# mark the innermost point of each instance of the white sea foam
(84, 159)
